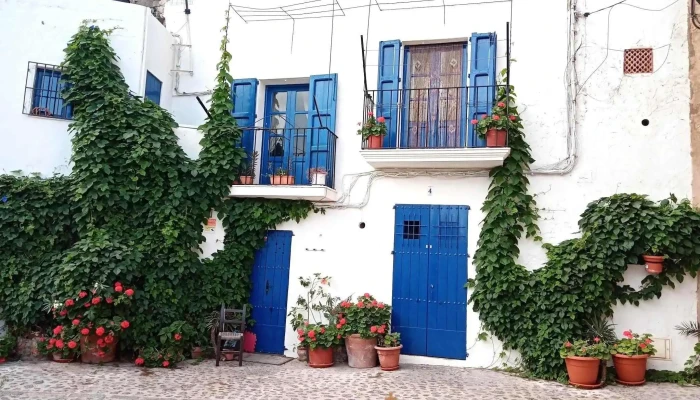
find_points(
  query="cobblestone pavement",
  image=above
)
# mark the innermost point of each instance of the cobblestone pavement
(294, 380)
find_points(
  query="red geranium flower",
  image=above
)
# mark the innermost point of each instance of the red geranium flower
(85, 331)
(360, 304)
(484, 116)
(367, 296)
(323, 330)
(109, 339)
(69, 302)
(59, 343)
(139, 361)
(63, 313)
(380, 305)
(648, 341)
(496, 117)
(374, 302)
(338, 326)
(371, 114)
(342, 321)
(72, 345)
(381, 330)
(300, 331)
(125, 324)
(643, 345)
(166, 364)
(82, 294)
(567, 344)
(312, 334)
(178, 337)
(109, 300)
(381, 120)
(100, 343)
(76, 322)
(118, 289)
(501, 104)
(52, 341)
(373, 329)
(513, 118)
(96, 300)
(87, 305)
(596, 339)
(129, 292)
(627, 334)
(100, 331)
(301, 338)
(57, 330)
(475, 121)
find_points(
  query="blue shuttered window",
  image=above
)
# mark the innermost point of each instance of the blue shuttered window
(388, 86)
(482, 80)
(153, 88)
(244, 93)
(323, 98)
(46, 98)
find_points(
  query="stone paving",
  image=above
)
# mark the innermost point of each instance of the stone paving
(294, 380)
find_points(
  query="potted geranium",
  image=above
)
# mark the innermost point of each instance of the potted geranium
(630, 355)
(317, 176)
(495, 127)
(172, 342)
(8, 343)
(653, 256)
(247, 175)
(583, 361)
(360, 326)
(64, 345)
(320, 340)
(389, 350)
(373, 131)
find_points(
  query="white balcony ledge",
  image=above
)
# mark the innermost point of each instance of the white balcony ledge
(445, 159)
(316, 193)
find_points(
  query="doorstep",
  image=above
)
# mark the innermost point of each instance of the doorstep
(317, 193)
(443, 159)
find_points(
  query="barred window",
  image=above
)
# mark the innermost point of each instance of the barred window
(42, 96)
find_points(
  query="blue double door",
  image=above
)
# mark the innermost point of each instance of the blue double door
(268, 297)
(430, 269)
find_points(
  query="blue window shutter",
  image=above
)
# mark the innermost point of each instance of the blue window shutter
(482, 81)
(388, 88)
(323, 97)
(153, 87)
(244, 94)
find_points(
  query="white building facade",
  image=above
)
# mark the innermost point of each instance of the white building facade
(299, 86)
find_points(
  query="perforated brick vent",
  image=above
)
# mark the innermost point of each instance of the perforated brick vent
(639, 61)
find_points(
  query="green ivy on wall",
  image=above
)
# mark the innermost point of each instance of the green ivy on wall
(535, 312)
(133, 207)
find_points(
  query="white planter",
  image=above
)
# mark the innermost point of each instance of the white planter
(318, 178)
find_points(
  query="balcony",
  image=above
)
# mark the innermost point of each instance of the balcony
(430, 129)
(288, 163)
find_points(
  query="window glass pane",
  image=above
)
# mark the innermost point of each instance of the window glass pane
(299, 145)
(279, 101)
(277, 122)
(302, 101)
(276, 146)
(301, 121)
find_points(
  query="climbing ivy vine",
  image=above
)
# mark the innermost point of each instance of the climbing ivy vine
(133, 207)
(534, 312)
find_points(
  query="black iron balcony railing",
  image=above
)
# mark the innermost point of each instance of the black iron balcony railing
(288, 156)
(432, 118)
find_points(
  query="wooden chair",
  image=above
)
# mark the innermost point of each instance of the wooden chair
(231, 328)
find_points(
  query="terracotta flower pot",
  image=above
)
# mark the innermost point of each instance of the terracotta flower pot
(197, 352)
(582, 370)
(2, 360)
(303, 354)
(361, 352)
(91, 353)
(389, 357)
(282, 180)
(655, 264)
(630, 370)
(496, 138)
(246, 180)
(375, 142)
(58, 357)
(321, 357)
(229, 355)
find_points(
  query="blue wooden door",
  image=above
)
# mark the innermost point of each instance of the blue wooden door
(430, 270)
(270, 280)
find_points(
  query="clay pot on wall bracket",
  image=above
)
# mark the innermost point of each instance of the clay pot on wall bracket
(361, 352)
(58, 357)
(496, 138)
(630, 370)
(91, 353)
(654, 264)
(583, 371)
(302, 354)
(375, 142)
(321, 357)
(389, 357)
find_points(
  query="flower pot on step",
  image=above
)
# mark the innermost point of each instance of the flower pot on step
(94, 351)
(389, 357)
(375, 142)
(654, 264)
(58, 357)
(303, 354)
(582, 370)
(630, 370)
(229, 355)
(496, 138)
(282, 180)
(361, 352)
(197, 352)
(321, 357)
(246, 180)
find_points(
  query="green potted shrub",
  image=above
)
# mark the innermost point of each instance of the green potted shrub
(8, 343)
(360, 325)
(654, 256)
(320, 341)
(630, 355)
(389, 350)
(373, 131)
(583, 361)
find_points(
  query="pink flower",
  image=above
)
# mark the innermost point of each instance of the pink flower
(360, 304)
(324, 281)
(109, 300)
(59, 343)
(129, 292)
(371, 114)
(381, 120)
(85, 331)
(69, 302)
(567, 344)
(648, 341)
(513, 118)
(96, 300)
(380, 305)
(338, 326)
(367, 296)
(596, 339)
(139, 361)
(627, 334)
(495, 117)
(125, 324)
(475, 121)
(484, 116)
(57, 330)
(501, 104)
(72, 345)
(166, 364)
(373, 329)
(76, 322)
(100, 331)
(643, 345)
(323, 330)
(82, 294)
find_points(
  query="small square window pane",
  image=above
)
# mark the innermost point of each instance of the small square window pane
(276, 122)
(299, 145)
(411, 230)
(301, 121)
(279, 101)
(276, 146)
(302, 101)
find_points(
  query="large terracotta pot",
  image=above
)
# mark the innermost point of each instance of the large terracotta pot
(582, 370)
(630, 370)
(246, 180)
(303, 354)
(496, 138)
(321, 357)
(91, 353)
(197, 352)
(389, 357)
(361, 352)
(375, 142)
(282, 179)
(229, 355)
(655, 264)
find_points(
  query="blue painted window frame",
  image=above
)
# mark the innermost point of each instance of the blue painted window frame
(46, 95)
(153, 88)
